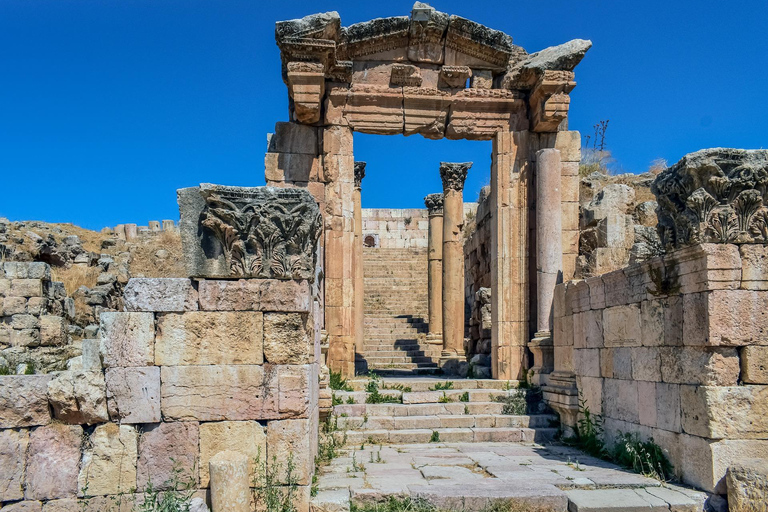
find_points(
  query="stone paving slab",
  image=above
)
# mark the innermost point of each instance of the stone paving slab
(471, 475)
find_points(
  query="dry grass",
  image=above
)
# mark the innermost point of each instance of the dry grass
(91, 239)
(146, 262)
(75, 276)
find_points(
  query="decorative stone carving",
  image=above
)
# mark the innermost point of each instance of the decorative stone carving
(455, 76)
(426, 34)
(359, 173)
(262, 232)
(454, 174)
(434, 203)
(550, 101)
(482, 44)
(405, 75)
(714, 196)
(306, 86)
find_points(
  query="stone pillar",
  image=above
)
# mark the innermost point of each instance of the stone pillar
(131, 232)
(230, 488)
(549, 256)
(338, 169)
(434, 204)
(359, 316)
(453, 176)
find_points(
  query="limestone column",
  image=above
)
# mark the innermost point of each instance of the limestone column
(358, 261)
(230, 488)
(453, 176)
(434, 204)
(549, 255)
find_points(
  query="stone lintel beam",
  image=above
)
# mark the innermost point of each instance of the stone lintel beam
(306, 86)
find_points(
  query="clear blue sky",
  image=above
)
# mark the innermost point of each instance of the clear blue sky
(107, 107)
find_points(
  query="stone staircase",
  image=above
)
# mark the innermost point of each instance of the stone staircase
(396, 310)
(469, 411)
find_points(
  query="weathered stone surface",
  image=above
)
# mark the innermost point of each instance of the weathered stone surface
(747, 483)
(13, 451)
(290, 440)
(23, 506)
(706, 462)
(133, 394)
(24, 400)
(53, 330)
(621, 326)
(163, 447)
(128, 339)
(109, 464)
(716, 318)
(692, 365)
(160, 295)
(209, 338)
(248, 437)
(92, 355)
(733, 412)
(255, 295)
(230, 485)
(288, 338)
(234, 392)
(78, 397)
(53, 461)
(713, 195)
(564, 57)
(754, 364)
(249, 232)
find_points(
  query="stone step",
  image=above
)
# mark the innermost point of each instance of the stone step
(431, 397)
(445, 421)
(386, 360)
(423, 384)
(452, 435)
(440, 409)
(401, 366)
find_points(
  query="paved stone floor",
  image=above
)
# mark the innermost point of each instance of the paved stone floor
(470, 476)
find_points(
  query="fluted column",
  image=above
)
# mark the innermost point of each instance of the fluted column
(434, 204)
(359, 318)
(453, 176)
(549, 257)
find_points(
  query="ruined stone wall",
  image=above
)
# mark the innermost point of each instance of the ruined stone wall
(193, 368)
(675, 349)
(477, 285)
(395, 228)
(34, 319)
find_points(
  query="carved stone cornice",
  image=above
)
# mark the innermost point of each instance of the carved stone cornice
(306, 86)
(714, 196)
(454, 174)
(359, 173)
(434, 204)
(549, 101)
(455, 76)
(405, 75)
(249, 232)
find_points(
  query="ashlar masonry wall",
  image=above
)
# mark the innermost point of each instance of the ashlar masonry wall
(193, 368)
(675, 348)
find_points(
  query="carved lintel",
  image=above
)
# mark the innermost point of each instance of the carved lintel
(249, 232)
(714, 196)
(359, 173)
(434, 204)
(454, 174)
(549, 100)
(455, 76)
(482, 43)
(306, 85)
(405, 75)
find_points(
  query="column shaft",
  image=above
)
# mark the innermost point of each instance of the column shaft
(434, 203)
(549, 245)
(358, 262)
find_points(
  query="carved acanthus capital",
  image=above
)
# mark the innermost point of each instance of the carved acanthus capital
(434, 204)
(242, 232)
(359, 173)
(714, 196)
(454, 174)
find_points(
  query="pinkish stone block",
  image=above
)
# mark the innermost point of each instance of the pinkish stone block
(13, 450)
(133, 394)
(160, 295)
(255, 295)
(164, 446)
(128, 339)
(53, 461)
(24, 400)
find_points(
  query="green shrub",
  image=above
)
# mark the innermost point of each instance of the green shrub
(177, 499)
(338, 383)
(644, 457)
(441, 386)
(435, 437)
(464, 397)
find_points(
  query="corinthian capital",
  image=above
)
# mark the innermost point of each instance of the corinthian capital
(359, 173)
(454, 174)
(434, 203)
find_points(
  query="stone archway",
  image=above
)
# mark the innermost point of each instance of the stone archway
(438, 76)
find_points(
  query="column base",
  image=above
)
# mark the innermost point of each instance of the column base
(435, 338)
(543, 357)
(454, 364)
(562, 395)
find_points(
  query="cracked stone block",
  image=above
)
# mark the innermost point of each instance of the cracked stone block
(133, 394)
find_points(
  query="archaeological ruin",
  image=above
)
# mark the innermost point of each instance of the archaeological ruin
(570, 342)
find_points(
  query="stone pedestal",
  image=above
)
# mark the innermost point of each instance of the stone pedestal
(359, 317)
(562, 395)
(434, 204)
(453, 176)
(230, 488)
(549, 256)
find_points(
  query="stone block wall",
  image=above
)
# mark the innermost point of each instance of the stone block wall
(477, 281)
(193, 368)
(395, 228)
(675, 348)
(34, 319)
